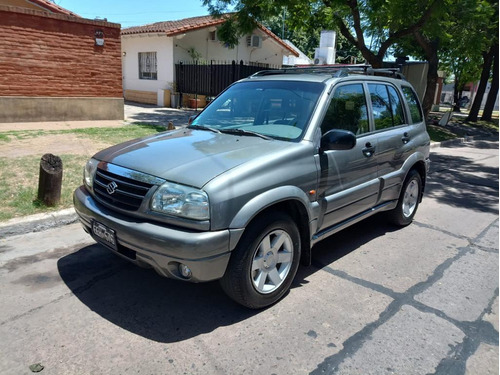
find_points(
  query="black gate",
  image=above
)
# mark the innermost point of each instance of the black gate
(211, 79)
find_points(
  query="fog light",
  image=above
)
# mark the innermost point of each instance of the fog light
(185, 271)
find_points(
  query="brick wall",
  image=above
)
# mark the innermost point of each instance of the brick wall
(55, 55)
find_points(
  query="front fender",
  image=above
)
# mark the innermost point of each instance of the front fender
(267, 199)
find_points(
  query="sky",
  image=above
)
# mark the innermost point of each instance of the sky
(133, 12)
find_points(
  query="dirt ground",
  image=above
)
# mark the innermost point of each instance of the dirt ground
(79, 145)
(54, 144)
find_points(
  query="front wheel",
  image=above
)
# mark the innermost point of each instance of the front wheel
(264, 263)
(408, 200)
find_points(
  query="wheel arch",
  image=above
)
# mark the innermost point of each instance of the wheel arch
(288, 200)
(420, 167)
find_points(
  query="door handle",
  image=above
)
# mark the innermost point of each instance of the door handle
(405, 138)
(369, 150)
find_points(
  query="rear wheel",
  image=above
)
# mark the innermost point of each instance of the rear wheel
(264, 263)
(408, 200)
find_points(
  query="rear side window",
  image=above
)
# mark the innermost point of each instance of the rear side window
(386, 106)
(413, 103)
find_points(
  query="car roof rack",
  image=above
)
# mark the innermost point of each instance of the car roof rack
(336, 71)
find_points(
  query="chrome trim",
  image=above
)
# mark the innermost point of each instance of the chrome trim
(129, 173)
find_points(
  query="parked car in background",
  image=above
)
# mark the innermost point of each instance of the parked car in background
(276, 163)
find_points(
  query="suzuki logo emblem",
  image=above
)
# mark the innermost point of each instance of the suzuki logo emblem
(111, 187)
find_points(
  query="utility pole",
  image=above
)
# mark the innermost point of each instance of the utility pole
(283, 24)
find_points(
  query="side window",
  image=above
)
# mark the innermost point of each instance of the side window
(386, 106)
(347, 110)
(413, 103)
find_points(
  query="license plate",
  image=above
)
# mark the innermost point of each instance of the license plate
(105, 235)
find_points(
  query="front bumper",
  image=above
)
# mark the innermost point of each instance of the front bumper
(157, 245)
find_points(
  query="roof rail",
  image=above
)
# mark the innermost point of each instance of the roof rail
(335, 70)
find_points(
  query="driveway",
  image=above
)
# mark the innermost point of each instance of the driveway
(150, 114)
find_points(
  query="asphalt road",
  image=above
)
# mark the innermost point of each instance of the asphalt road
(377, 300)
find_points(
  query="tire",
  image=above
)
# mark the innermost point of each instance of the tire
(409, 200)
(264, 263)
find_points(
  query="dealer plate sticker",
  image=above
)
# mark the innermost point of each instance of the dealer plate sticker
(106, 235)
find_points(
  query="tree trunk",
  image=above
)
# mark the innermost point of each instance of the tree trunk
(457, 95)
(50, 181)
(492, 95)
(485, 75)
(430, 48)
(432, 80)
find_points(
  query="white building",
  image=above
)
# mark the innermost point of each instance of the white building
(150, 53)
(293, 60)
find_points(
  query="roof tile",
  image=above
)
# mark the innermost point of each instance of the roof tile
(172, 28)
(52, 7)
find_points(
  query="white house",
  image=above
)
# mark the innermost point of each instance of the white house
(292, 60)
(150, 52)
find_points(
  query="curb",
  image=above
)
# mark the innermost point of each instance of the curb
(37, 223)
(451, 142)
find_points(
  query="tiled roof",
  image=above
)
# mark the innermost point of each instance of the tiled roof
(172, 28)
(52, 7)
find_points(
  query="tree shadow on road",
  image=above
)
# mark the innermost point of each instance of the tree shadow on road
(463, 182)
(153, 115)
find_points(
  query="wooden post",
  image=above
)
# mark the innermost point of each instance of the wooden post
(50, 181)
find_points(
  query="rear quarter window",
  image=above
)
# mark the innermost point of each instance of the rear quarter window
(413, 104)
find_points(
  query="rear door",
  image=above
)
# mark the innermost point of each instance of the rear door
(394, 136)
(349, 181)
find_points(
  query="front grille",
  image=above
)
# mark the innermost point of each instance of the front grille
(120, 191)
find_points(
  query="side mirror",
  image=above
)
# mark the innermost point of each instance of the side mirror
(338, 139)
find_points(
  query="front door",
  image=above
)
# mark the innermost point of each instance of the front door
(349, 181)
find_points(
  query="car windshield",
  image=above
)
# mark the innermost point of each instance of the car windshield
(275, 109)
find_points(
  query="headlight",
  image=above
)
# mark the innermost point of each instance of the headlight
(179, 200)
(89, 173)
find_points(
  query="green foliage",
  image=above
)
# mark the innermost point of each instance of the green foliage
(440, 134)
(382, 23)
(455, 32)
(466, 37)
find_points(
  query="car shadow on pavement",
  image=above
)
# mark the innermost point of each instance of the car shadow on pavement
(143, 302)
(164, 310)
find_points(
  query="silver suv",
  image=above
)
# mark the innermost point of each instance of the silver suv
(276, 163)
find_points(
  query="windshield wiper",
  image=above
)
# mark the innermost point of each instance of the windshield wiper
(245, 132)
(203, 127)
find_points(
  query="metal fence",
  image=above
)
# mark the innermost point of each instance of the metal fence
(212, 78)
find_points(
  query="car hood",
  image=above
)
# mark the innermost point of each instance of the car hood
(187, 156)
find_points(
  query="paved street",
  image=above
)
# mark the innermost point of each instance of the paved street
(377, 299)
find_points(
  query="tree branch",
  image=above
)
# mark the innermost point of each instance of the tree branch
(407, 31)
(359, 40)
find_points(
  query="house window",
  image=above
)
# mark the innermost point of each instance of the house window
(147, 65)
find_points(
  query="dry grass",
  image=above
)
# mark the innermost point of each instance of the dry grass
(20, 153)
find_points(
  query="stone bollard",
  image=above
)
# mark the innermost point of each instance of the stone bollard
(50, 181)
